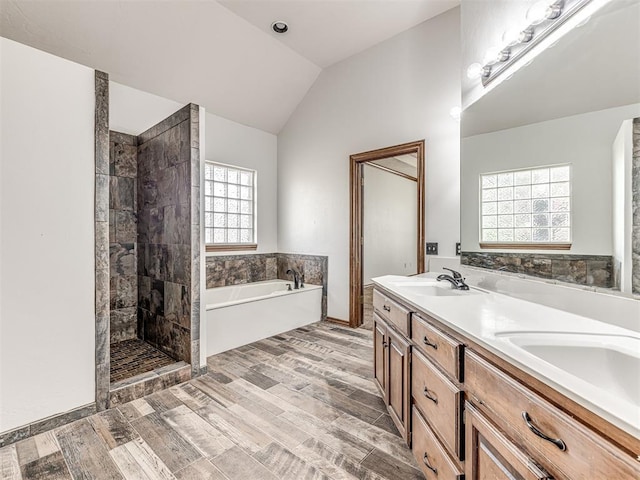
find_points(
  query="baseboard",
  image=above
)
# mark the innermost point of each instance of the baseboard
(45, 424)
(338, 321)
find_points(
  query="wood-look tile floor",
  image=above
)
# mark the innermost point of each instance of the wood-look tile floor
(297, 406)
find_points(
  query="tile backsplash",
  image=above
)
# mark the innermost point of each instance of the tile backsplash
(225, 270)
(592, 270)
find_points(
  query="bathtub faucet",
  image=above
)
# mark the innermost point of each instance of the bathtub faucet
(296, 278)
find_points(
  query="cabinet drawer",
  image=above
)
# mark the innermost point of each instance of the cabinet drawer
(491, 455)
(392, 311)
(431, 457)
(577, 452)
(438, 346)
(439, 400)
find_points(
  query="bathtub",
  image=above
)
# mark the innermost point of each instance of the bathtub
(241, 314)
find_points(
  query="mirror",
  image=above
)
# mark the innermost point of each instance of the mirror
(574, 104)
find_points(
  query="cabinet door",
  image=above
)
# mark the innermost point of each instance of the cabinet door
(491, 456)
(398, 381)
(380, 357)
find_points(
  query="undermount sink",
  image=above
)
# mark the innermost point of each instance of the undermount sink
(433, 289)
(612, 362)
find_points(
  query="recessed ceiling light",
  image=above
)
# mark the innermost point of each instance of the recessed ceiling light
(279, 26)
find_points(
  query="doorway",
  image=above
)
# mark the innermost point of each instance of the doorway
(387, 189)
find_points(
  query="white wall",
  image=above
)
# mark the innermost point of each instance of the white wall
(398, 91)
(47, 320)
(133, 111)
(389, 226)
(584, 140)
(622, 218)
(235, 144)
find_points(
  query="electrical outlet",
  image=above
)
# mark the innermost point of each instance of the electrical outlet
(432, 248)
(458, 249)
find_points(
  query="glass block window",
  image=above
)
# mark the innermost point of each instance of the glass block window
(526, 206)
(229, 204)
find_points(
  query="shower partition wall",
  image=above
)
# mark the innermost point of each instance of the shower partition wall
(164, 236)
(150, 291)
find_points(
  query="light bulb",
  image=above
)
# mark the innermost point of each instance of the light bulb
(495, 55)
(538, 12)
(525, 36)
(553, 12)
(490, 57)
(543, 10)
(456, 113)
(474, 71)
(511, 36)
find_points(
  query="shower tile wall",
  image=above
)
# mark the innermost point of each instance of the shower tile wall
(123, 233)
(164, 236)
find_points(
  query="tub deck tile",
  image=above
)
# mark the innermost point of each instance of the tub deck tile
(299, 405)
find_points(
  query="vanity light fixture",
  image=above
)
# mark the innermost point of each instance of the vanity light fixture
(280, 27)
(543, 19)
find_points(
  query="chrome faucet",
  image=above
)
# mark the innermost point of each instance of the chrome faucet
(455, 279)
(296, 278)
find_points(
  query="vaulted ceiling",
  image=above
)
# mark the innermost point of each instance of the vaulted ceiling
(219, 54)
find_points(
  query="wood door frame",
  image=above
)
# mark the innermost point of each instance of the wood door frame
(355, 248)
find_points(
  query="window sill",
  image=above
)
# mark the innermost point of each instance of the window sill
(231, 247)
(526, 246)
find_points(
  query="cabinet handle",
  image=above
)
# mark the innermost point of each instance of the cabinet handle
(426, 341)
(425, 459)
(556, 441)
(385, 344)
(386, 308)
(426, 393)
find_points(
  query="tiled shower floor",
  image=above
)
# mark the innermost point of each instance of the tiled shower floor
(132, 357)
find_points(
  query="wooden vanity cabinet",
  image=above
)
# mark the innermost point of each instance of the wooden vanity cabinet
(558, 442)
(469, 414)
(392, 356)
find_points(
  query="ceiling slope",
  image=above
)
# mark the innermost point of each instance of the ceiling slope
(327, 31)
(187, 51)
(224, 58)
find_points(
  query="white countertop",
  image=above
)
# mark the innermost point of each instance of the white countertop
(485, 317)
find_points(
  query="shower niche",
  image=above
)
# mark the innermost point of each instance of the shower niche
(153, 257)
